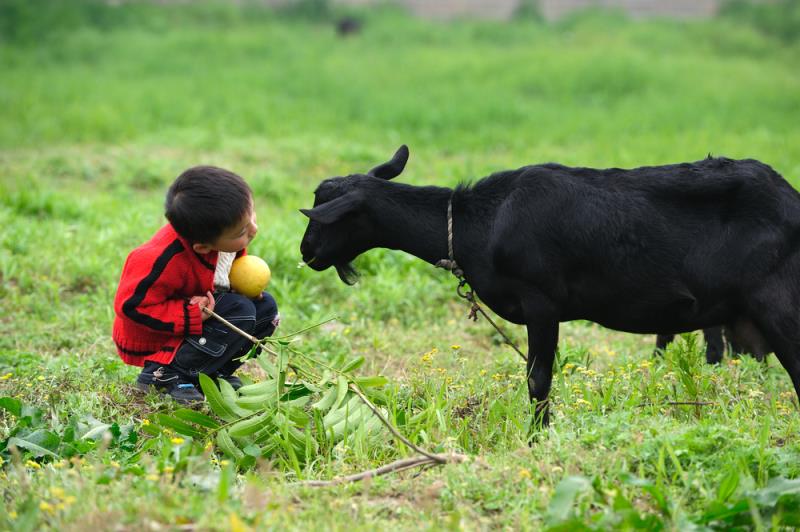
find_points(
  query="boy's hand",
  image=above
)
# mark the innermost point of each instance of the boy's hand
(206, 301)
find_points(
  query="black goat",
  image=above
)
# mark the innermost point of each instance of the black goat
(348, 26)
(661, 249)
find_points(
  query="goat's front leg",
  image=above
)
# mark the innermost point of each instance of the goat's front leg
(542, 344)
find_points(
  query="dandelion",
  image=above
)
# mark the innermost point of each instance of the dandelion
(177, 441)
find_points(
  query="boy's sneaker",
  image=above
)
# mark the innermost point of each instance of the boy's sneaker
(167, 380)
(233, 380)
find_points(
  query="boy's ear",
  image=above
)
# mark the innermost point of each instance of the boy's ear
(202, 248)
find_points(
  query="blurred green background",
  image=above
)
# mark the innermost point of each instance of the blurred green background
(103, 104)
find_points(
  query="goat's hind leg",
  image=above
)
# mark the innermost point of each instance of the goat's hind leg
(662, 340)
(715, 345)
(778, 326)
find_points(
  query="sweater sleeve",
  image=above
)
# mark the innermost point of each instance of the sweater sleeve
(147, 295)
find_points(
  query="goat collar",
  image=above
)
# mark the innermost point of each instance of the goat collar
(450, 263)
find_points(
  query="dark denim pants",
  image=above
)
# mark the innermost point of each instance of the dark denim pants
(217, 350)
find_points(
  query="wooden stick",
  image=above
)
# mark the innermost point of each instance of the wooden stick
(435, 457)
(677, 403)
(231, 325)
(393, 467)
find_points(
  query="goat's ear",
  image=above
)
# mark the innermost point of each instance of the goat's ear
(332, 211)
(392, 168)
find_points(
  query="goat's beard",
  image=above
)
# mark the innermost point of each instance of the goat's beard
(347, 273)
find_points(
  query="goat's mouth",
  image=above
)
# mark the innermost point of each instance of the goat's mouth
(347, 273)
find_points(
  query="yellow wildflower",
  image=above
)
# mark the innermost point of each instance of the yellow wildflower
(177, 441)
(169, 469)
(145, 422)
(40, 378)
(35, 465)
(455, 347)
(523, 474)
(735, 362)
(46, 507)
(483, 372)
(6, 376)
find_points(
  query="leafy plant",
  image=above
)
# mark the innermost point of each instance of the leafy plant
(276, 419)
(34, 437)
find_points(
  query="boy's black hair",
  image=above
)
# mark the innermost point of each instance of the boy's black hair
(204, 201)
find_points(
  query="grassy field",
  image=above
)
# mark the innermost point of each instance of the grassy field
(101, 108)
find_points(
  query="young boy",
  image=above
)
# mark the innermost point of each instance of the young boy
(167, 281)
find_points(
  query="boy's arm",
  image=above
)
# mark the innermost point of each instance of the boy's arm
(147, 296)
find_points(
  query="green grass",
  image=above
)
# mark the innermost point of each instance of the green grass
(97, 118)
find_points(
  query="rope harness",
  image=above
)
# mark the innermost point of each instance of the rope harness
(452, 266)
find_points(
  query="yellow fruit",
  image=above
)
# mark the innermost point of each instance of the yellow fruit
(249, 275)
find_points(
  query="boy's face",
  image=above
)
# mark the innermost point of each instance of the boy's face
(235, 238)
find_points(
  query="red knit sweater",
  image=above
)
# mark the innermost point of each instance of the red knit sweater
(153, 314)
